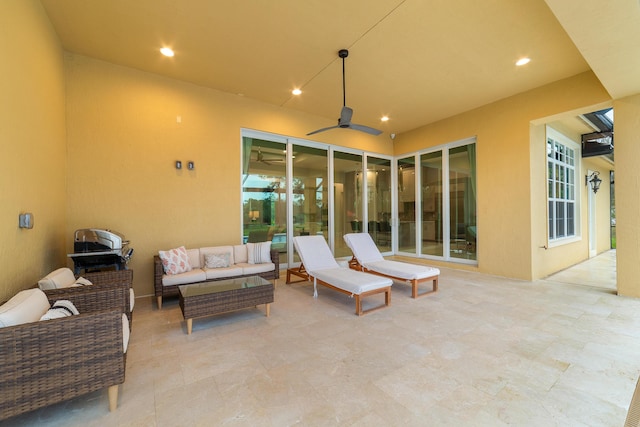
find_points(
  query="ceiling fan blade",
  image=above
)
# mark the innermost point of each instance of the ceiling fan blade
(322, 130)
(366, 129)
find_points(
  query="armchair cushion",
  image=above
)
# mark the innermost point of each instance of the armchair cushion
(60, 278)
(24, 307)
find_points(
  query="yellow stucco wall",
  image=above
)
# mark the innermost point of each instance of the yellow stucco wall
(507, 170)
(32, 144)
(123, 141)
(627, 116)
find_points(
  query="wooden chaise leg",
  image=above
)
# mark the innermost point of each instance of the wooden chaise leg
(414, 288)
(358, 305)
(435, 284)
(113, 397)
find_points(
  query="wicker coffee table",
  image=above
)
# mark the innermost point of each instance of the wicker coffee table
(209, 298)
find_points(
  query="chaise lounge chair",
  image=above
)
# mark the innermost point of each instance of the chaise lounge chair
(367, 258)
(321, 267)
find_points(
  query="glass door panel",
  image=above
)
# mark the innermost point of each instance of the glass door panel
(310, 193)
(462, 202)
(264, 198)
(347, 170)
(379, 202)
(407, 205)
(431, 203)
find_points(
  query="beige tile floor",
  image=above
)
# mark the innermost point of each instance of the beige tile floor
(483, 351)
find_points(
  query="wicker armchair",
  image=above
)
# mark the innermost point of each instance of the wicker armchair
(110, 289)
(42, 363)
(162, 291)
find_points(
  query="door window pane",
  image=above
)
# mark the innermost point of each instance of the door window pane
(264, 204)
(462, 202)
(347, 169)
(432, 238)
(310, 194)
(379, 201)
(407, 205)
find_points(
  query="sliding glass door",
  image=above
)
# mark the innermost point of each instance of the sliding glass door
(264, 197)
(444, 205)
(379, 202)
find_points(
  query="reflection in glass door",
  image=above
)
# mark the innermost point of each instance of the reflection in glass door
(310, 193)
(264, 198)
(407, 205)
(347, 170)
(379, 202)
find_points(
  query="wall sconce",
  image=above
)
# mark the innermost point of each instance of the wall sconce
(25, 220)
(254, 215)
(595, 181)
(178, 164)
(191, 166)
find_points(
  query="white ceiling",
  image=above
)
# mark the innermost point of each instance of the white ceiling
(413, 60)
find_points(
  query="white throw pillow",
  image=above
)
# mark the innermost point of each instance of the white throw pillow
(175, 261)
(60, 308)
(259, 253)
(81, 281)
(216, 260)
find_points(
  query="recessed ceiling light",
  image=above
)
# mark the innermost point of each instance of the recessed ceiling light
(166, 52)
(384, 118)
(296, 91)
(522, 61)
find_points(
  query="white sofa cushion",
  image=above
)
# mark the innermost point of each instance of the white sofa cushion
(256, 268)
(257, 253)
(193, 276)
(217, 250)
(24, 307)
(60, 278)
(194, 258)
(217, 273)
(240, 254)
(132, 299)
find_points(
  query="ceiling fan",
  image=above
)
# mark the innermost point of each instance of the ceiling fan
(268, 161)
(345, 115)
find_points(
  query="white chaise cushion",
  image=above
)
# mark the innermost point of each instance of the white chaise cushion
(363, 247)
(314, 253)
(193, 276)
(24, 307)
(60, 278)
(352, 281)
(402, 270)
(258, 253)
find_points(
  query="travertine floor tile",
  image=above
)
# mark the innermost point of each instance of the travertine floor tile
(483, 351)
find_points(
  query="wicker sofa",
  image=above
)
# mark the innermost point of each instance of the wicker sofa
(47, 362)
(167, 285)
